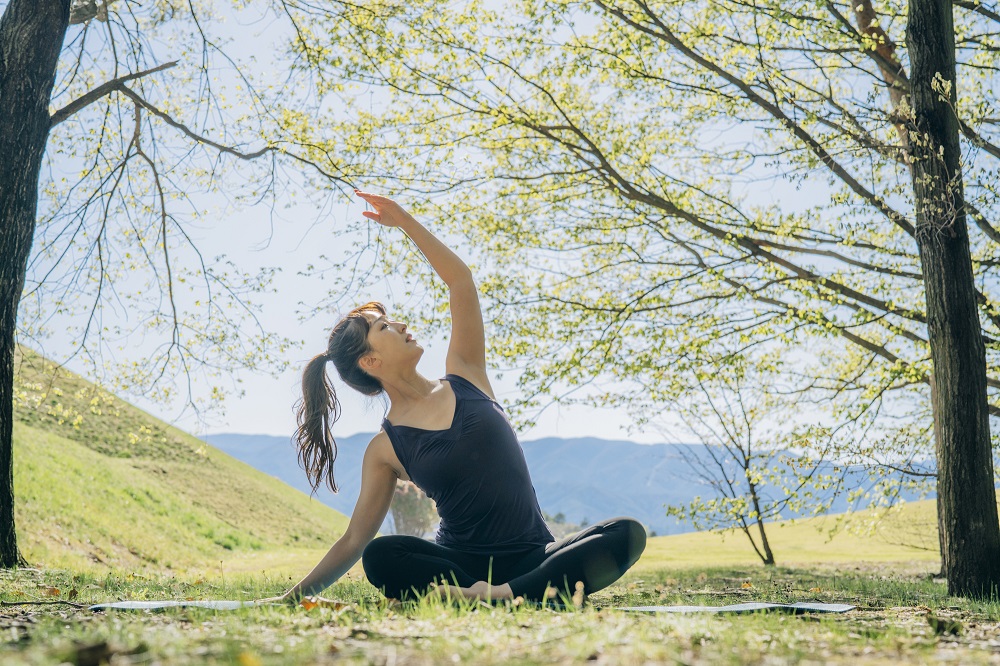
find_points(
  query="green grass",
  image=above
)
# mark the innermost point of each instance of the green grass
(906, 533)
(101, 485)
(892, 623)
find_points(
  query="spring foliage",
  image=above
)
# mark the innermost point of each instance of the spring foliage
(653, 190)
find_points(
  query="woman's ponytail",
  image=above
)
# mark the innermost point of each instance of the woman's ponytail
(319, 408)
(317, 412)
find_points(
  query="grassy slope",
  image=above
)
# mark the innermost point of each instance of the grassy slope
(906, 533)
(99, 483)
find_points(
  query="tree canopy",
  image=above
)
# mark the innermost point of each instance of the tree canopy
(642, 181)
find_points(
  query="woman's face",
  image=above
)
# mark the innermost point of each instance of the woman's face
(393, 345)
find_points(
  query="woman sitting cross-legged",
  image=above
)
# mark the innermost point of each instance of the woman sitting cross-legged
(453, 440)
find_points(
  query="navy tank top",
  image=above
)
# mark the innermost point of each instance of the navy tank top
(476, 474)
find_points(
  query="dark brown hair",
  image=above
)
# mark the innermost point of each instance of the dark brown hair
(319, 408)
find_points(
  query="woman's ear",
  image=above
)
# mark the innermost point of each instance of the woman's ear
(370, 362)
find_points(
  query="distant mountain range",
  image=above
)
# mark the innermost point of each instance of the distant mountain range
(584, 478)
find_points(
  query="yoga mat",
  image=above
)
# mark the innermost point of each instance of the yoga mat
(160, 605)
(307, 603)
(797, 608)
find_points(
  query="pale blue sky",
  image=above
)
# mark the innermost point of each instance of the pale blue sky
(266, 407)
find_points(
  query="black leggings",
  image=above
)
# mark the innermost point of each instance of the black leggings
(404, 566)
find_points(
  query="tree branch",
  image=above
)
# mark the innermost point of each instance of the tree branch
(100, 91)
(229, 150)
(664, 33)
(977, 7)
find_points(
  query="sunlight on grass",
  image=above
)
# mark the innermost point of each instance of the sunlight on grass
(861, 537)
(895, 622)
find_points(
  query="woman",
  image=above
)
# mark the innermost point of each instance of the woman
(451, 438)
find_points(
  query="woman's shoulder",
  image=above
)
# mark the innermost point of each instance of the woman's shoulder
(478, 383)
(379, 446)
(380, 451)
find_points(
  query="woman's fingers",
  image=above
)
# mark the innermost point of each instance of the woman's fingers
(387, 212)
(368, 196)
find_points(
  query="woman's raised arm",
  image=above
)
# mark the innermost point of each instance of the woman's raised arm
(467, 350)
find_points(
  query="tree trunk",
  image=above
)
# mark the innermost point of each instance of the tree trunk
(31, 37)
(768, 556)
(970, 530)
(942, 572)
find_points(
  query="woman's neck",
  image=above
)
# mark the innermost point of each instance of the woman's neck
(404, 390)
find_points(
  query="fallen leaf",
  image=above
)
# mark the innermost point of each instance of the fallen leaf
(50, 591)
(815, 589)
(248, 659)
(319, 602)
(73, 594)
(747, 585)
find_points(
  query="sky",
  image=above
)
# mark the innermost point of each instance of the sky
(266, 406)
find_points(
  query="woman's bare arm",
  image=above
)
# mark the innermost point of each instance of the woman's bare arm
(378, 483)
(467, 350)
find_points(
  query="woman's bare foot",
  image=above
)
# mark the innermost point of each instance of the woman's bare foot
(486, 592)
(447, 592)
(478, 591)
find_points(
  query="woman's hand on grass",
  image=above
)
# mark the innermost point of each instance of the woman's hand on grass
(320, 602)
(283, 599)
(308, 603)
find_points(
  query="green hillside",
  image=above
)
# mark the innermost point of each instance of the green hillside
(102, 484)
(907, 533)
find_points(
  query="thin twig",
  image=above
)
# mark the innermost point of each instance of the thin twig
(42, 603)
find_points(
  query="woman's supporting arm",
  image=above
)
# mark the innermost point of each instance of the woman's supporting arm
(378, 483)
(467, 350)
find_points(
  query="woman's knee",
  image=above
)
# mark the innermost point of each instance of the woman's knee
(636, 540)
(630, 535)
(378, 558)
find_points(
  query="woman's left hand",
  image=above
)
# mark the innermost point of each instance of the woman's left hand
(387, 212)
(308, 602)
(283, 599)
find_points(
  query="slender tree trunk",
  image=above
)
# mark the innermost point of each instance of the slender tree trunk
(31, 37)
(768, 556)
(970, 530)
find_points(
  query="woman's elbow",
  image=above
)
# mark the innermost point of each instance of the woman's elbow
(460, 277)
(356, 540)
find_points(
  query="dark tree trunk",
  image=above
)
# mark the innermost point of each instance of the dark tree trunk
(31, 37)
(970, 531)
